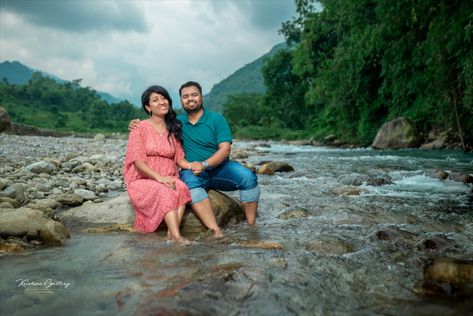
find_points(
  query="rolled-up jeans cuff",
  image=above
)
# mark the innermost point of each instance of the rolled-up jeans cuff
(198, 194)
(251, 195)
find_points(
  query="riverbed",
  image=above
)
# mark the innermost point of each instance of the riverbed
(342, 249)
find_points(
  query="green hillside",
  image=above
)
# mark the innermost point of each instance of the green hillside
(47, 104)
(17, 73)
(247, 79)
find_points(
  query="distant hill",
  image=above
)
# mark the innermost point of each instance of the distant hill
(17, 73)
(247, 79)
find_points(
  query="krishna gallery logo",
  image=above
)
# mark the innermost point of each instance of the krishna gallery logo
(48, 284)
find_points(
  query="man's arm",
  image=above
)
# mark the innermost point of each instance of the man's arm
(220, 155)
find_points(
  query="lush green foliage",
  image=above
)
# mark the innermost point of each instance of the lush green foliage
(358, 63)
(45, 103)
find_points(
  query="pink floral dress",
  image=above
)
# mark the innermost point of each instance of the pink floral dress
(151, 199)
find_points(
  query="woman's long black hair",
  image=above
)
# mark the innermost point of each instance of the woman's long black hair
(172, 124)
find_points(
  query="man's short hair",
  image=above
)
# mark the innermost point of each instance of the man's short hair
(190, 84)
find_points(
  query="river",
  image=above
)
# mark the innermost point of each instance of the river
(358, 254)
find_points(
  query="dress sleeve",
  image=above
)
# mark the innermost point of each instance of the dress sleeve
(136, 146)
(179, 150)
(135, 151)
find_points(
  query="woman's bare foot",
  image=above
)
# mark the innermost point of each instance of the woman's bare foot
(217, 234)
(181, 240)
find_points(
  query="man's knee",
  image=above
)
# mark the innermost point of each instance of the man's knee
(250, 195)
(198, 194)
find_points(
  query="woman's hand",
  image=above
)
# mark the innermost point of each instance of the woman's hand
(170, 182)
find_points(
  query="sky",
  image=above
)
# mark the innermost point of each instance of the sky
(124, 46)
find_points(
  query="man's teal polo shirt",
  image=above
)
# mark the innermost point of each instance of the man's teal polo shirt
(202, 138)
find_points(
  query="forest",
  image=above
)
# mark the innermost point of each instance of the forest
(357, 64)
(47, 104)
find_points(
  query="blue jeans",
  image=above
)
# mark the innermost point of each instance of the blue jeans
(227, 176)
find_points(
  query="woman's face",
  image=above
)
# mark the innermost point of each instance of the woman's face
(158, 104)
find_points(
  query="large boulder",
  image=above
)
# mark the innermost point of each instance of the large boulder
(32, 224)
(119, 211)
(396, 134)
(5, 120)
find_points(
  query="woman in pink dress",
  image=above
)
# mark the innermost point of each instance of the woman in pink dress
(153, 155)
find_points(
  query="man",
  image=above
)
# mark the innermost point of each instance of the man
(207, 142)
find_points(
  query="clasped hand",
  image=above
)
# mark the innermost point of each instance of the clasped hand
(197, 167)
(169, 182)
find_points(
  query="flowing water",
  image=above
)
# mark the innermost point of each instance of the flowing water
(332, 262)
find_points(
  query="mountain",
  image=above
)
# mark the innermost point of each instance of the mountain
(17, 73)
(247, 79)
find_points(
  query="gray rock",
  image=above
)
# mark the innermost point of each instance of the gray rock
(85, 194)
(69, 199)
(19, 222)
(42, 167)
(15, 191)
(351, 179)
(396, 134)
(5, 120)
(99, 137)
(54, 232)
(294, 213)
(120, 211)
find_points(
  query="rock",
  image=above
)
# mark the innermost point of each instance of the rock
(15, 191)
(6, 205)
(5, 120)
(448, 278)
(436, 173)
(436, 243)
(294, 213)
(120, 211)
(226, 210)
(274, 166)
(351, 179)
(396, 134)
(115, 211)
(11, 201)
(47, 211)
(54, 232)
(48, 203)
(238, 154)
(99, 137)
(19, 222)
(261, 244)
(460, 177)
(330, 138)
(379, 180)
(329, 247)
(347, 190)
(85, 194)
(394, 233)
(3, 183)
(42, 167)
(69, 199)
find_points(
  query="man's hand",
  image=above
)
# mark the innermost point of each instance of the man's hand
(133, 124)
(197, 167)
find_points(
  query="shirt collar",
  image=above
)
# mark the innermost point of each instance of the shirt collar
(202, 120)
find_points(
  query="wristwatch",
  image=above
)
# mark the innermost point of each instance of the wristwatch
(205, 164)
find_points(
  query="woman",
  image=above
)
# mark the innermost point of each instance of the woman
(151, 176)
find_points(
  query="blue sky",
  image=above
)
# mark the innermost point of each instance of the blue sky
(123, 46)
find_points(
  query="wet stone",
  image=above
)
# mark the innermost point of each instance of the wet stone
(448, 278)
(294, 213)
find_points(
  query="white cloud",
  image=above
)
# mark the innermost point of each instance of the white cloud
(121, 47)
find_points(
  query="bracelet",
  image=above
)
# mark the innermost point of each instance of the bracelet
(205, 164)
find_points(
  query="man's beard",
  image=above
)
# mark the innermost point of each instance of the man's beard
(195, 110)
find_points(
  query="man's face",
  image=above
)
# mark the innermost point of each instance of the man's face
(191, 99)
